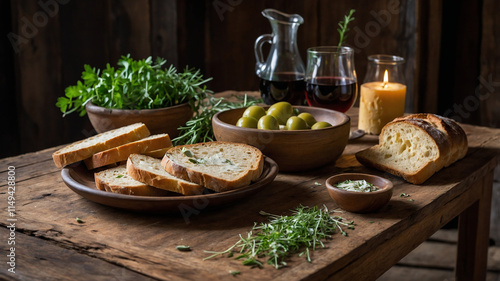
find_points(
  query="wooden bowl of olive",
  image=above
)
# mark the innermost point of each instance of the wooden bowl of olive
(297, 149)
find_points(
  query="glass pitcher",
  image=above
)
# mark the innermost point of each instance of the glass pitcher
(282, 73)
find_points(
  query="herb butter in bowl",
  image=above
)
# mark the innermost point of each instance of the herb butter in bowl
(359, 193)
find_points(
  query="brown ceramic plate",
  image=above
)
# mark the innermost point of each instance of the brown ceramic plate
(81, 181)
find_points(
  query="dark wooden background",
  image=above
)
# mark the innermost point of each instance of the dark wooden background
(451, 48)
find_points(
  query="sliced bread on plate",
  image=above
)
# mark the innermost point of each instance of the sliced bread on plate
(219, 166)
(416, 146)
(117, 180)
(148, 170)
(84, 149)
(121, 153)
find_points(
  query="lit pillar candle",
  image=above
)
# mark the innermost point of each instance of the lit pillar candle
(380, 103)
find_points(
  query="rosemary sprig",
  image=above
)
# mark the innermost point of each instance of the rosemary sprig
(344, 26)
(300, 233)
(199, 128)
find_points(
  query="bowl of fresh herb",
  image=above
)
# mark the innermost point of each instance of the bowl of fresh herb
(134, 91)
(359, 193)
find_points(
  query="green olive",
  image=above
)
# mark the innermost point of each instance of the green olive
(254, 111)
(281, 111)
(296, 123)
(268, 122)
(247, 122)
(321, 125)
(310, 120)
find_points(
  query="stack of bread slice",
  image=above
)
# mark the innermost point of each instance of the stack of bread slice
(130, 161)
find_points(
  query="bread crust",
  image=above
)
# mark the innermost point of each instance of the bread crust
(66, 155)
(448, 136)
(161, 182)
(207, 180)
(455, 135)
(139, 189)
(122, 152)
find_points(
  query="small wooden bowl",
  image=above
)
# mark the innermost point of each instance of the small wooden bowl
(160, 120)
(298, 150)
(360, 202)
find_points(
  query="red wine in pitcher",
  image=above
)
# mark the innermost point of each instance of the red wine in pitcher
(337, 93)
(284, 87)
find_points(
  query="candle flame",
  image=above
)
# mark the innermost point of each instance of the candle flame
(386, 78)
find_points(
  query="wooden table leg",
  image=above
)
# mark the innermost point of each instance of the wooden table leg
(473, 234)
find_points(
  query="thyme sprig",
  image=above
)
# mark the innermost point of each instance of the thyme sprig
(305, 230)
(343, 26)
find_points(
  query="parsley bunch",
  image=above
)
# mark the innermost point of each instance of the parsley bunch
(301, 232)
(134, 84)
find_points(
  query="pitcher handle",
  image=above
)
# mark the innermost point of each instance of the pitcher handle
(260, 64)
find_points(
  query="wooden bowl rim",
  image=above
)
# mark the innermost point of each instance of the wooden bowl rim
(218, 121)
(100, 109)
(359, 176)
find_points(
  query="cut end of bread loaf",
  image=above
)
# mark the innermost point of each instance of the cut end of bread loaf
(416, 146)
(219, 166)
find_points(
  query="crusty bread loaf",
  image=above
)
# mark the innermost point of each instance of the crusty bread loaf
(117, 180)
(416, 146)
(219, 166)
(149, 170)
(84, 149)
(121, 153)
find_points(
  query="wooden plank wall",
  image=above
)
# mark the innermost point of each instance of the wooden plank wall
(488, 89)
(218, 36)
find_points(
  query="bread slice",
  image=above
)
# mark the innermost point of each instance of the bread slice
(84, 149)
(416, 146)
(121, 153)
(117, 180)
(219, 166)
(149, 170)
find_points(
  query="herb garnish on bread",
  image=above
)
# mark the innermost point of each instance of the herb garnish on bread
(219, 166)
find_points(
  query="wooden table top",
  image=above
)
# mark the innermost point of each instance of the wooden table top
(51, 244)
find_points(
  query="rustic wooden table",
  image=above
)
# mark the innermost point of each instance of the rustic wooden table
(113, 244)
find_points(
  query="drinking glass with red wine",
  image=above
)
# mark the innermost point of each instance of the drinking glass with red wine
(331, 78)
